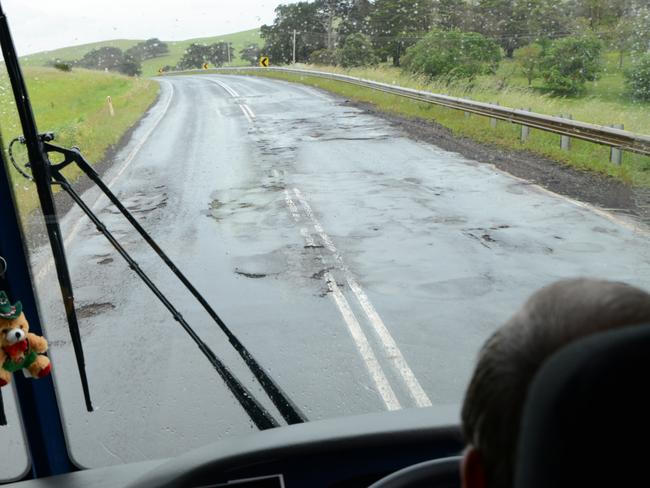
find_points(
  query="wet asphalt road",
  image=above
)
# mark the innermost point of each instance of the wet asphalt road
(363, 269)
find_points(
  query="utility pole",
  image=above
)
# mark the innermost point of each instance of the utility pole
(294, 46)
(228, 47)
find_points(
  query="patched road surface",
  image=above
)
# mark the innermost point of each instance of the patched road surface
(361, 268)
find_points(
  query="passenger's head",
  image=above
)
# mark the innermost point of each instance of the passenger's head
(552, 317)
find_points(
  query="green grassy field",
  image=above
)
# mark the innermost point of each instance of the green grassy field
(73, 105)
(150, 67)
(601, 105)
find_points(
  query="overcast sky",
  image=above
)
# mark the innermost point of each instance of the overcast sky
(39, 25)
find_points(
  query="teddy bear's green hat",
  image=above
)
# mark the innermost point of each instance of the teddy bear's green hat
(7, 310)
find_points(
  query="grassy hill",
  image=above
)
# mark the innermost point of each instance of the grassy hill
(150, 67)
(73, 52)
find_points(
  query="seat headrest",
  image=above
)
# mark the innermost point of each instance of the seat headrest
(587, 413)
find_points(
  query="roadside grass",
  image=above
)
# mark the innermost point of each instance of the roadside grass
(590, 108)
(74, 106)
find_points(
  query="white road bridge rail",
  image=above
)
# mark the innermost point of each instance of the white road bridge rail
(617, 138)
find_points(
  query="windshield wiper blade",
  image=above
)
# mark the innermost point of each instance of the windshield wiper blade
(258, 414)
(41, 173)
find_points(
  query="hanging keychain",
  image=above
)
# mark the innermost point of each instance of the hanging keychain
(19, 348)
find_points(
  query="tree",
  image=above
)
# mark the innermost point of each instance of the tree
(194, 56)
(251, 53)
(498, 21)
(600, 14)
(570, 62)
(398, 24)
(454, 54)
(641, 29)
(151, 48)
(130, 66)
(324, 57)
(357, 51)
(355, 20)
(220, 53)
(306, 18)
(103, 58)
(529, 58)
(110, 59)
(452, 14)
(637, 78)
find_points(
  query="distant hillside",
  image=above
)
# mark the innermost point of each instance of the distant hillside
(150, 67)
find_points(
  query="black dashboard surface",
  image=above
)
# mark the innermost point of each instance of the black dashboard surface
(347, 452)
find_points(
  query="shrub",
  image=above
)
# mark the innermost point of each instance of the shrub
(326, 57)
(570, 62)
(529, 58)
(454, 54)
(637, 78)
(61, 66)
(358, 51)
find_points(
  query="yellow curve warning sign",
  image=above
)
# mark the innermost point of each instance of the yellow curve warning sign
(264, 62)
(205, 65)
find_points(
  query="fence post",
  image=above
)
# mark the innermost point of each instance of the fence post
(565, 141)
(615, 153)
(525, 130)
(109, 102)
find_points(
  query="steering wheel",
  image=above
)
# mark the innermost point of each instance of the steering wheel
(438, 473)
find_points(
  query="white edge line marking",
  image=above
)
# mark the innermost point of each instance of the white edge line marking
(361, 341)
(127, 162)
(391, 349)
(629, 224)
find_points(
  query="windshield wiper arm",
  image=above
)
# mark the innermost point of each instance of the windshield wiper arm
(258, 414)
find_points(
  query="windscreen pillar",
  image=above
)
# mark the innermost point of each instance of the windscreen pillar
(39, 410)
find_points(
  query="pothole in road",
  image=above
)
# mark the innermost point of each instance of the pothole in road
(250, 275)
(92, 309)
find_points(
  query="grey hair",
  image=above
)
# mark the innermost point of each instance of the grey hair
(554, 316)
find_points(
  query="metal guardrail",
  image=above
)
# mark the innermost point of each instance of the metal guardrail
(617, 138)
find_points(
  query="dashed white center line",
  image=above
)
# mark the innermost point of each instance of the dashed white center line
(391, 350)
(246, 114)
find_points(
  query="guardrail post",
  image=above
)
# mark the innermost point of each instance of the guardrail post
(525, 130)
(466, 115)
(493, 121)
(565, 141)
(615, 153)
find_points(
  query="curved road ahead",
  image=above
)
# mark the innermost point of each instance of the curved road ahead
(362, 268)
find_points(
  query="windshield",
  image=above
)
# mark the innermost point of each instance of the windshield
(360, 240)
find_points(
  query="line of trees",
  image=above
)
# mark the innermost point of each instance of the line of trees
(558, 40)
(196, 55)
(109, 58)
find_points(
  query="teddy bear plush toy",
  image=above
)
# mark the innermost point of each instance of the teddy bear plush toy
(19, 348)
